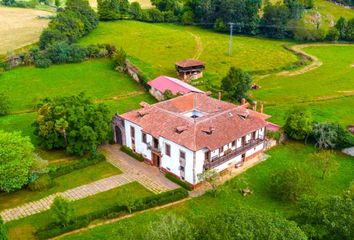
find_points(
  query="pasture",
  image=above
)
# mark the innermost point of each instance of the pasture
(164, 44)
(229, 197)
(20, 27)
(327, 90)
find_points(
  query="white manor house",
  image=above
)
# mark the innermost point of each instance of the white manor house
(191, 133)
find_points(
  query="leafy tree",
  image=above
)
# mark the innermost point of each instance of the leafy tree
(84, 12)
(245, 224)
(9, 2)
(296, 9)
(349, 31)
(175, 6)
(170, 227)
(333, 34)
(211, 177)
(341, 26)
(275, 20)
(3, 230)
(290, 183)
(73, 123)
(62, 210)
(112, 9)
(326, 219)
(57, 3)
(187, 17)
(236, 84)
(135, 10)
(325, 162)
(298, 124)
(4, 104)
(119, 60)
(63, 52)
(16, 159)
(68, 24)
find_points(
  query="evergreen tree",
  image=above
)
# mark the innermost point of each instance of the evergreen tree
(236, 84)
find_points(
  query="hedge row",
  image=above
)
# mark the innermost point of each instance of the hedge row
(63, 169)
(130, 152)
(56, 229)
(178, 181)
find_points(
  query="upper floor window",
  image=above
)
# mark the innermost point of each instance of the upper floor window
(233, 143)
(132, 132)
(144, 138)
(221, 149)
(168, 149)
(207, 156)
(182, 155)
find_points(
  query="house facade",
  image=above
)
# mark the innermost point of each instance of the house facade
(192, 133)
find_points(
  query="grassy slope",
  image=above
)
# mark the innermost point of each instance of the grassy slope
(62, 183)
(229, 197)
(165, 44)
(332, 79)
(25, 228)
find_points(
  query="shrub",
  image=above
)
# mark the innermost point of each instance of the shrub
(130, 152)
(289, 184)
(178, 181)
(298, 124)
(42, 183)
(274, 135)
(63, 52)
(68, 168)
(119, 60)
(4, 104)
(62, 210)
(42, 61)
(3, 230)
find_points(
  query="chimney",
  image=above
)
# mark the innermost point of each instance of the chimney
(255, 106)
(261, 108)
(243, 101)
(219, 95)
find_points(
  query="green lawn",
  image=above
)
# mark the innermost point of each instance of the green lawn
(164, 44)
(229, 197)
(62, 183)
(314, 89)
(24, 228)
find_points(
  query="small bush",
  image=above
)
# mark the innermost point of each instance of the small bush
(274, 135)
(62, 210)
(179, 181)
(42, 61)
(42, 183)
(130, 152)
(4, 104)
(68, 168)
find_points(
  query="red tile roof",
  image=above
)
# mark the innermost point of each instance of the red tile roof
(189, 63)
(176, 86)
(220, 123)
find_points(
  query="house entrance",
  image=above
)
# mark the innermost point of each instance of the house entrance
(119, 138)
(156, 160)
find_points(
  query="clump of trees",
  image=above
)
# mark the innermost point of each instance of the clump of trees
(72, 123)
(77, 20)
(236, 84)
(326, 218)
(289, 184)
(16, 160)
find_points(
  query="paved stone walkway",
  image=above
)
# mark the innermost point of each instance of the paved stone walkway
(71, 194)
(148, 176)
(133, 170)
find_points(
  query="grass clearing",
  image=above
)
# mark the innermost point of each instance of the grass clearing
(167, 43)
(323, 89)
(25, 228)
(229, 197)
(20, 27)
(62, 183)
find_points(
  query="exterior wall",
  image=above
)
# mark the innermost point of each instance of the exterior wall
(172, 163)
(140, 147)
(254, 150)
(157, 94)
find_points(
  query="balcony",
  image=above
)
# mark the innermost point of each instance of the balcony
(228, 156)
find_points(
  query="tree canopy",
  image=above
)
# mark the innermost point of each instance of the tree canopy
(73, 123)
(16, 159)
(236, 84)
(298, 124)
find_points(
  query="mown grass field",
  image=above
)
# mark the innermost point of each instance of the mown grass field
(25, 228)
(62, 183)
(322, 89)
(20, 27)
(155, 48)
(229, 197)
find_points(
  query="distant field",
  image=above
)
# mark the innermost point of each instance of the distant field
(20, 27)
(156, 47)
(315, 89)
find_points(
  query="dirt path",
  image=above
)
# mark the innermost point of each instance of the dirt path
(199, 45)
(315, 61)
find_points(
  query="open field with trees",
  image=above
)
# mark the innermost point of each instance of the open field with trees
(229, 198)
(20, 27)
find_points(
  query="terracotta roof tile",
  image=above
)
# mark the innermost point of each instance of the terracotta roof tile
(189, 63)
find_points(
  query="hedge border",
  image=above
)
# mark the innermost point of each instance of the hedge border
(178, 181)
(130, 152)
(55, 229)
